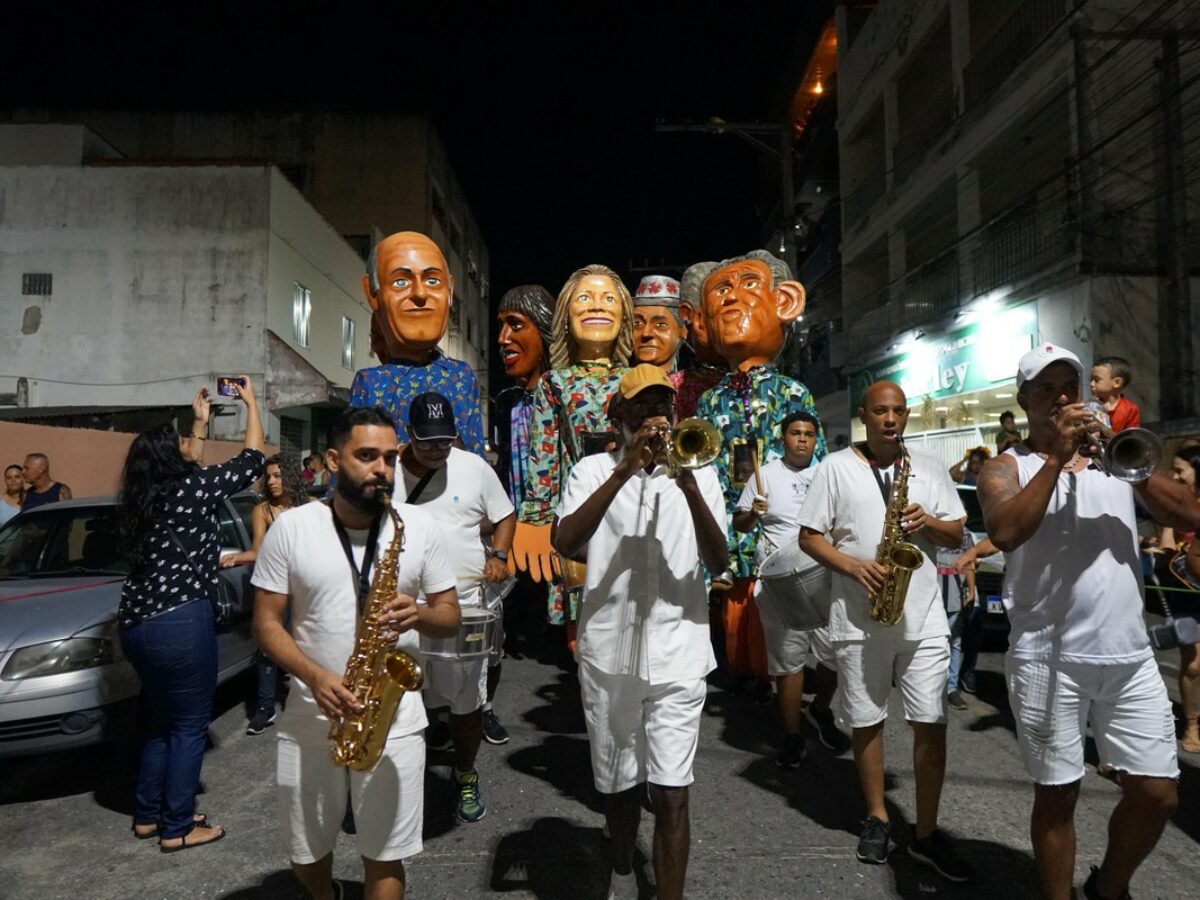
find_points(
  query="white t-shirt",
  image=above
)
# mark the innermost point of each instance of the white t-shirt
(644, 610)
(786, 489)
(461, 496)
(1074, 590)
(845, 503)
(301, 556)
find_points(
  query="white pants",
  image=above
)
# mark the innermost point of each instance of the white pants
(640, 731)
(1131, 715)
(388, 801)
(867, 670)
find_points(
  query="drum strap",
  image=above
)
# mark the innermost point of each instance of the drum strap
(362, 577)
(884, 480)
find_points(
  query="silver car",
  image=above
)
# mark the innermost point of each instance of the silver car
(63, 680)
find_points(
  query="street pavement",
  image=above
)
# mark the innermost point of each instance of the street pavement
(757, 831)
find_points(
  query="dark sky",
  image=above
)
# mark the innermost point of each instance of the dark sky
(547, 110)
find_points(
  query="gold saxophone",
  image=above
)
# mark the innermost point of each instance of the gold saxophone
(900, 556)
(376, 672)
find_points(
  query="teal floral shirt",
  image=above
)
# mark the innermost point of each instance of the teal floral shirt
(749, 406)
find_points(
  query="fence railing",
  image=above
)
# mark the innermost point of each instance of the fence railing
(997, 59)
(931, 289)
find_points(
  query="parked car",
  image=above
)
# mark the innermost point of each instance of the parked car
(989, 570)
(64, 681)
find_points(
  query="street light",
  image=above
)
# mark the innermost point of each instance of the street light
(749, 132)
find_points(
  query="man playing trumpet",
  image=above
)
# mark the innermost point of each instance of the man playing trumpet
(644, 648)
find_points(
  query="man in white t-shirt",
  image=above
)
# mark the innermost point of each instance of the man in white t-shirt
(316, 562)
(1077, 646)
(463, 495)
(777, 512)
(644, 647)
(848, 502)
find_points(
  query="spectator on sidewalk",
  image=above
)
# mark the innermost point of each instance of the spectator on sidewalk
(1111, 376)
(14, 492)
(42, 488)
(1009, 435)
(966, 470)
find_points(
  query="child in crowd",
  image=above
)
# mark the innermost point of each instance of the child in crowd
(1111, 376)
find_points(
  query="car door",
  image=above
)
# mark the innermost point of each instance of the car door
(235, 643)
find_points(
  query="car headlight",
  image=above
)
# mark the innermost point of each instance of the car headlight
(59, 657)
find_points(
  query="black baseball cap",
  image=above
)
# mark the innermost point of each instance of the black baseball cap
(430, 417)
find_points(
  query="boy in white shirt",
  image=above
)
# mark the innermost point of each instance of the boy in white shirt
(848, 502)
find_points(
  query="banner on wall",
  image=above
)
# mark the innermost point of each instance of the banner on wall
(973, 358)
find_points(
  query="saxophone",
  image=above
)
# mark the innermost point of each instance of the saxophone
(900, 556)
(376, 672)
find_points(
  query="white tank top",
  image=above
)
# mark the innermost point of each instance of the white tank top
(1074, 591)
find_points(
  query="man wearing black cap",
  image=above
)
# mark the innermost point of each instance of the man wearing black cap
(463, 494)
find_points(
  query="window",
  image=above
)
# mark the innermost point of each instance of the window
(470, 332)
(347, 343)
(37, 284)
(301, 313)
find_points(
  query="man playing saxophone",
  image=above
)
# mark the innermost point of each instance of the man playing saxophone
(851, 501)
(317, 560)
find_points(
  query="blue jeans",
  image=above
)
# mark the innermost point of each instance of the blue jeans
(175, 656)
(964, 643)
(956, 619)
(268, 681)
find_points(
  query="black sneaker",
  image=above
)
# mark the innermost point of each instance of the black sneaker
(792, 752)
(967, 682)
(260, 721)
(762, 694)
(956, 701)
(874, 842)
(437, 736)
(1090, 892)
(493, 731)
(831, 736)
(937, 852)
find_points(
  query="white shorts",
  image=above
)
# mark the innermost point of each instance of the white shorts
(868, 669)
(640, 731)
(460, 684)
(1132, 720)
(388, 801)
(789, 650)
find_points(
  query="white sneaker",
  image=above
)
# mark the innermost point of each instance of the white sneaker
(623, 887)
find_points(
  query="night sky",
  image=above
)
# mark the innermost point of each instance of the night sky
(547, 111)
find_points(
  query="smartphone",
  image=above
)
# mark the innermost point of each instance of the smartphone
(227, 386)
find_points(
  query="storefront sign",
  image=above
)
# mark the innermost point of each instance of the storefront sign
(973, 358)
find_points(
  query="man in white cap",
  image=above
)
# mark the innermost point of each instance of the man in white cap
(1078, 649)
(658, 327)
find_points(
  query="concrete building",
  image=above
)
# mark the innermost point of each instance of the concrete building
(125, 286)
(1015, 173)
(367, 175)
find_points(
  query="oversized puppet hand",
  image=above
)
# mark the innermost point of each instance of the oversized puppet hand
(532, 553)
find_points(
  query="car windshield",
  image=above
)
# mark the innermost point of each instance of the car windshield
(970, 502)
(70, 541)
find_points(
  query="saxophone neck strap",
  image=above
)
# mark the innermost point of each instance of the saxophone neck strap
(885, 482)
(362, 577)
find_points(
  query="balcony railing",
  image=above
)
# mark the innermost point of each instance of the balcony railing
(1003, 52)
(862, 198)
(930, 121)
(1031, 237)
(932, 289)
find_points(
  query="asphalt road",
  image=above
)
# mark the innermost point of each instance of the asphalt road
(757, 832)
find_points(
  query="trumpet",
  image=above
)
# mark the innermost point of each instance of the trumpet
(1131, 455)
(691, 444)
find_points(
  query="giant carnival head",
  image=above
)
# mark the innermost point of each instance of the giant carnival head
(658, 327)
(410, 289)
(593, 319)
(749, 305)
(526, 312)
(692, 309)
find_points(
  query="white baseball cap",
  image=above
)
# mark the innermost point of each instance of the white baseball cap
(1033, 362)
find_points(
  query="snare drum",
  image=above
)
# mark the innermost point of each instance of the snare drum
(474, 638)
(796, 587)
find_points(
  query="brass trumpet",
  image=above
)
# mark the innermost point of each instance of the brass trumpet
(691, 444)
(1131, 455)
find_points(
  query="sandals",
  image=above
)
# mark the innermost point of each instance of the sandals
(183, 841)
(198, 819)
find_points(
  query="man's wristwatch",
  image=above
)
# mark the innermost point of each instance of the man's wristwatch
(499, 554)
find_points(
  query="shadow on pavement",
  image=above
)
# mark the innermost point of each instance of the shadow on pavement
(1000, 872)
(563, 709)
(282, 885)
(563, 762)
(1187, 817)
(555, 859)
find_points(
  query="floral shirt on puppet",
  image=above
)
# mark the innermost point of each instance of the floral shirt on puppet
(751, 405)
(393, 386)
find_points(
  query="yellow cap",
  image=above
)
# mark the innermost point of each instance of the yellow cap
(641, 377)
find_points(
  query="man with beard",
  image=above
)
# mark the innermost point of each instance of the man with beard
(410, 290)
(657, 322)
(300, 568)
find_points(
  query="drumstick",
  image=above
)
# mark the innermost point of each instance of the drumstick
(758, 483)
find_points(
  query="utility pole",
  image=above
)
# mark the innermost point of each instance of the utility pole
(782, 151)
